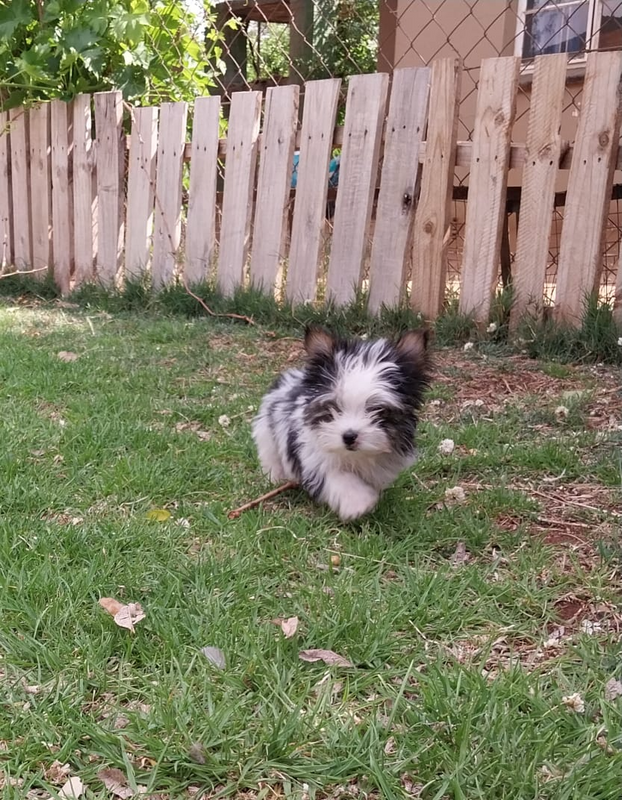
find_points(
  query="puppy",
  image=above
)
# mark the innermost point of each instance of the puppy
(343, 427)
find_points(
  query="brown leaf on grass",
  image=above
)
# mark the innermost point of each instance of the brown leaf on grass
(329, 657)
(125, 616)
(196, 752)
(73, 789)
(66, 355)
(115, 781)
(56, 773)
(289, 626)
(460, 556)
(410, 787)
(613, 689)
(390, 746)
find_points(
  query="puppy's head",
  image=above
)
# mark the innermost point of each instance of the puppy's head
(365, 394)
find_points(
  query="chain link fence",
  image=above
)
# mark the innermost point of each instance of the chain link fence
(270, 42)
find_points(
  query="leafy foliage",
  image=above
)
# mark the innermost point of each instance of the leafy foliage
(345, 42)
(149, 49)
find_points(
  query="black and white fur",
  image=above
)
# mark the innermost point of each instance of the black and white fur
(344, 425)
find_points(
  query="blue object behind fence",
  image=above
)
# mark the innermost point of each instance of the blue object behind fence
(333, 172)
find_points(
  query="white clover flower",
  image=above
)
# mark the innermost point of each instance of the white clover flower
(468, 346)
(561, 412)
(446, 447)
(224, 421)
(620, 342)
(492, 327)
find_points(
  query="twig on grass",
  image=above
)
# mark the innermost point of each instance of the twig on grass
(259, 500)
(204, 305)
(22, 272)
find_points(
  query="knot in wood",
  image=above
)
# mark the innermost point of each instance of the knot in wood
(407, 199)
(499, 118)
(428, 227)
(603, 139)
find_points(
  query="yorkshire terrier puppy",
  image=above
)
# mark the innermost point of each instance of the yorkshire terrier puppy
(343, 426)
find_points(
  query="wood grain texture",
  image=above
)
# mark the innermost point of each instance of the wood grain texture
(109, 146)
(84, 191)
(487, 185)
(237, 204)
(20, 189)
(201, 225)
(62, 218)
(589, 186)
(429, 255)
(399, 189)
(167, 224)
(6, 232)
(273, 185)
(358, 171)
(316, 141)
(141, 191)
(538, 185)
(40, 188)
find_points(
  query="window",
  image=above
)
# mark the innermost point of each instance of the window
(568, 26)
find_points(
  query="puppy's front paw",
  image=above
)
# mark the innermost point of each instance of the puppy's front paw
(351, 498)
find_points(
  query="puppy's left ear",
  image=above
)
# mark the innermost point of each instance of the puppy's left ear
(319, 343)
(413, 346)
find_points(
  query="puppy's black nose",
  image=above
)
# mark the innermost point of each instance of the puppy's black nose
(349, 438)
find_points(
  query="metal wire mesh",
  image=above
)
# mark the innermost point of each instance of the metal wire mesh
(269, 42)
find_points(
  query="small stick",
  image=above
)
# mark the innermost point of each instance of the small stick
(241, 317)
(259, 500)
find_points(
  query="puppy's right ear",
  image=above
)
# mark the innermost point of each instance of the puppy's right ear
(319, 343)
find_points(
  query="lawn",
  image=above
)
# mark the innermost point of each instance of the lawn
(483, 625)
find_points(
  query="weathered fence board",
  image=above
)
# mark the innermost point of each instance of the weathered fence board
(487, 184)
(6, 242)
(405, 129)
(109, 144)
(273, 185)
(22, 238)
(201, 224)
(538, 192)
(141, 191)
(429, 252)
(237, 204)
(84, 210)
(589, 185)
(61, 198)
(40, 200)
(316, 141)
(365, 109)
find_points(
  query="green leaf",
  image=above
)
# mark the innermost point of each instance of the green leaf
(12, 15)
(80, 39)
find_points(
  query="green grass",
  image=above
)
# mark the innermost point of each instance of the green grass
(452, 688)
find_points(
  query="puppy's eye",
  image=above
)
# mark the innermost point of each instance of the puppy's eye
(322, 412)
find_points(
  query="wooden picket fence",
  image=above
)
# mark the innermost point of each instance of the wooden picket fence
(112, 207)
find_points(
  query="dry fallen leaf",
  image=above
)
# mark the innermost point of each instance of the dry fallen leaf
(288, 626)
(215, 655)
(574, 702)
(327, 656)
(158, 515)
(125, 616)
(66, 355)
(111, 605)
(56, 772)
(613, 689)
(115, 781)
(73, 789)
(196, 752)
(390, 746)
(460, 556)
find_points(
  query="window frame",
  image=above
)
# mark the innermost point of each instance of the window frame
(591, 38)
